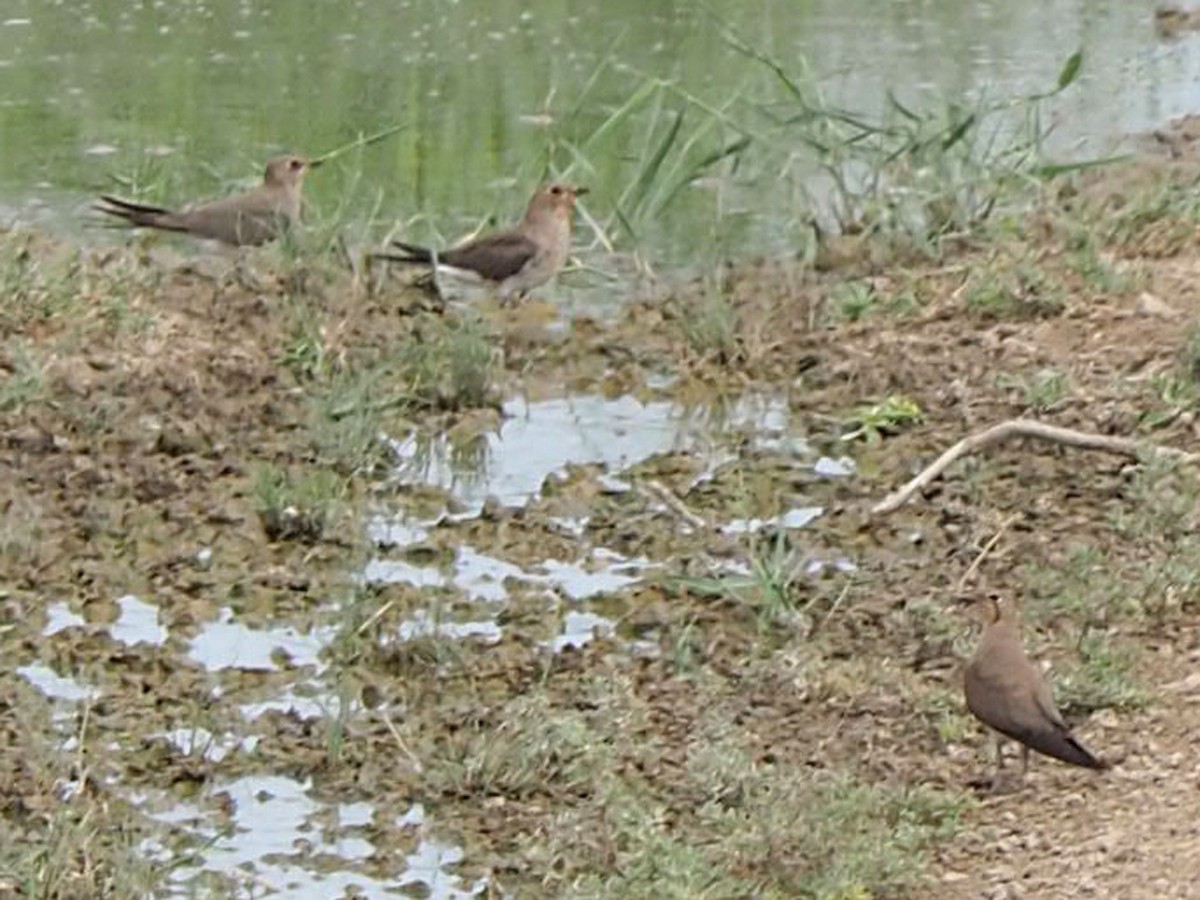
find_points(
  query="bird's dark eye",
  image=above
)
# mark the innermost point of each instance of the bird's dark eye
(556, 190)
(297, 164)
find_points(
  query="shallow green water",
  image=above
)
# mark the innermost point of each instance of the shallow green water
(187, 97)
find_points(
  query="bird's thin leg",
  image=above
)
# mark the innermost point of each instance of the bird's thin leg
(1024, 760)
(242, 274)
(999, 754)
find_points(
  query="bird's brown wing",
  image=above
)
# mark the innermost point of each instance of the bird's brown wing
(1044, 698)
(495, 257)
(250, 218)
(1003, 691)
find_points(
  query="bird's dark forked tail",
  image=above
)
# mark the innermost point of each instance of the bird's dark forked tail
(405, 253)
(1080, 755)
(134, 213)
(1058, 743)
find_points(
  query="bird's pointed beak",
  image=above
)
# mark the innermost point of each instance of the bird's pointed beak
(580, 191)
(315, 163)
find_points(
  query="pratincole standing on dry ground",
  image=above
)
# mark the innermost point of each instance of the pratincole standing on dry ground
(1007, 693)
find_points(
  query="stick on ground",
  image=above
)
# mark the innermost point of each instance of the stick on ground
(1015, 428)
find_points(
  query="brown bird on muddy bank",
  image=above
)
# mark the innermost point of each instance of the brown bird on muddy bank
(517, 260)
(248, 219)
(1007, 693)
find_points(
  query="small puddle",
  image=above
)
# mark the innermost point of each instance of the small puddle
(138, 623)
(482, 577)
(841, 564)
(579, 629)
(59, 618)
(202, 742)
(828, 467)
(55, 686)
(226, 644)
(284, 842)
(793, 518)
(389, 532)
(580, 583)
(487, 579)
(541, 439)
(306, 700)
(426, 624)
(426, 866)
(272, 837)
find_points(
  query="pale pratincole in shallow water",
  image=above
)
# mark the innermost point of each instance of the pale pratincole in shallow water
(259, 215)
(518, 259)
(1007, 693)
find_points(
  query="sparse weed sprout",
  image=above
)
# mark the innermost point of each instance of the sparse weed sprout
(873, 421)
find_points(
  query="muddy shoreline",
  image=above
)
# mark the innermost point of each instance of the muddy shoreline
(637, 662)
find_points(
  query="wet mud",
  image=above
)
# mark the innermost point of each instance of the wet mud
(309, 587)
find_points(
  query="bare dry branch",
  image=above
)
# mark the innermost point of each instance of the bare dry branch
(659, 491)
(1016, 428)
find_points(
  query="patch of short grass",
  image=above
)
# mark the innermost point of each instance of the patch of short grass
(710, 324)
(616, 785)
(759, 829)
(937, 630)
(1162, 517)
(348, 419)
(1104, 678)
(1040, 391)
(1157, 219)
(776, 569)
(25, 383)
(1013, 288)
(78, 855)
(43, 281)
(69, 838)
(872, 421)
(1094, 591)
(853, 301)
(1089, 260)
(306, 353)
(35, 284)
(21, 531)
(773, 586)
(1189, 356)
(123, 317)
(945, 713)
(1175, 393)
(530, 747)
(629, 811)
(296, 506)
(453, 368)
(1084, 590)
(446, 367)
